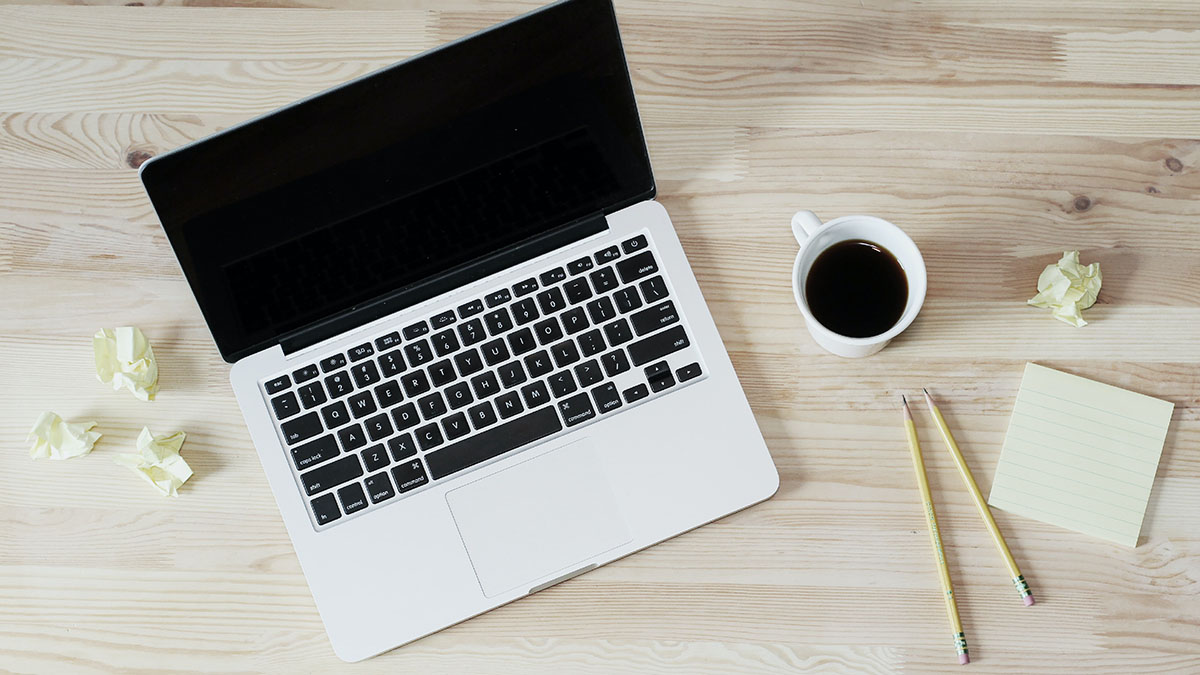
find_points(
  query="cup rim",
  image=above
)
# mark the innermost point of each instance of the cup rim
(915, 303)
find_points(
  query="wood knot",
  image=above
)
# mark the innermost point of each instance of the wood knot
(136, 158)
(1150, 189)
(1082, 203)
(1174, 165)
(135, 4)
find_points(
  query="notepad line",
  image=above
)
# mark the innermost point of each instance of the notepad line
(1018, 507)
(1106, 412)
(1073, 506)
(1076, 480)
(1073, 454)
(1090, 447)
(1156, 439)
(1058, 488)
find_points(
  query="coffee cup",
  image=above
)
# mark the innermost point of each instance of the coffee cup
(873, 236)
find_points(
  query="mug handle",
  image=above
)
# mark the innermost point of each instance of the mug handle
(804, 225)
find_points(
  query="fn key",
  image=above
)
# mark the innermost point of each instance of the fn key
(325, 508)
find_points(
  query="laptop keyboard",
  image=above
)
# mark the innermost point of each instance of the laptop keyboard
(424, 403)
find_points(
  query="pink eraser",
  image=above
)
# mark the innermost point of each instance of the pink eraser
(963, 659)
(1028, 600)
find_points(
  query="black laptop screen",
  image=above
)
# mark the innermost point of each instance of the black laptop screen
(417, 170)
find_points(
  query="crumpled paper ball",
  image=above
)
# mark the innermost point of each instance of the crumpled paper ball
(124, 359)
(1066, 287)
(55, 438)
(158, 461)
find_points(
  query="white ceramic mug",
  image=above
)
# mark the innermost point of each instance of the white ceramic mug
(814, 237)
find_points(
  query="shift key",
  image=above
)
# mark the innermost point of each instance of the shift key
(658, 345)
(332, 474)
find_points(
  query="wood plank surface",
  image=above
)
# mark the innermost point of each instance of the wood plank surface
(997, 134)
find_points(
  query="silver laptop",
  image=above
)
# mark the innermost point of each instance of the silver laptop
(466, 341)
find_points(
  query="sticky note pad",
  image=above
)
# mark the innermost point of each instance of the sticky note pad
(1080, 454)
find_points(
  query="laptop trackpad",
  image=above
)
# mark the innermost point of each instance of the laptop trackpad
(544, 516)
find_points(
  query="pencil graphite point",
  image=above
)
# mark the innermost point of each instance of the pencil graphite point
(929, 399)
(904, 407)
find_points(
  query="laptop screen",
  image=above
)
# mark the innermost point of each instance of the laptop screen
(411, 173)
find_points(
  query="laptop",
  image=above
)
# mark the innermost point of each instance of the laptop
(467, 344)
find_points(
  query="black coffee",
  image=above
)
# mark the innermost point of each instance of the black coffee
(857, 289)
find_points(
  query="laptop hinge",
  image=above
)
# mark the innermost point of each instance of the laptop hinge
(449, 280)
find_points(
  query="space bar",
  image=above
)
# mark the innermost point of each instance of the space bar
(493, 442)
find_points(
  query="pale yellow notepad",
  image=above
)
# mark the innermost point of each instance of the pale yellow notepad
(1080, 454)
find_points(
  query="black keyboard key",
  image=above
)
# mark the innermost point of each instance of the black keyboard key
(361, 352)
(551, 300)
(365, 373)
(432, 406)
(325, 508)
(637, 393)
(577, 291)
(278, 384)
(640, 265)
(415, 383)
(429, 436)
(663, 382)
(418, 352)
(634, 245)
(392, 363)
(511, 374)
(470, 308)
(482, 415)
(607, 255)
(579, 266)
(456, 426)
(312, 395)
(459, 395)
(525, 287)
(285, 406)
(565, 353)
(658, 345)
(618, 332)
(405, 416)
(375, 458)
(535, 394)
(547, 331)
(335, 415)
(656, 370)
(445, 343)
(301, 428)
(493, 442)
(305, 374)
(652, 318)
(522, 341)
(387, 341)
(591, 342)
(509, 404)
(402, 446)
(689, 372)
(468, 362)
(577, 409)
(338, 384)
(416, 330)
(494, 352)
(603, 280)
(352, 498)
(606, 397)
(485, 385)
(471, 332)
(442, 373)
(561, 383)
(379, 427)
(379, 487)
(388, 394)
(524, 311)
(627, 299)
(614, 362)
(352, 438)
(574, 320)
(361, 404)
(498, 298)
(331, 475)
(654, 289)
(498, 321)
(553, 276)
(442, 320)
(409, 475)
(538, 364)
(601, 310)
(313, 453)
(333, 363)
(588, 373)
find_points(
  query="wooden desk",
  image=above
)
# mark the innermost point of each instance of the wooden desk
(997, 134)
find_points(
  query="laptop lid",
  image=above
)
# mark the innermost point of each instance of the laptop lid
(416, 179)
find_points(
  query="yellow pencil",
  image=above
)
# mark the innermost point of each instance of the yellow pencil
(1017, 578)
(960, 639)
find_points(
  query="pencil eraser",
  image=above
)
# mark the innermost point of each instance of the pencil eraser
(963, 659)
(1028, 600)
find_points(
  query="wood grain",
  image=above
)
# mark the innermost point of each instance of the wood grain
(997, 134)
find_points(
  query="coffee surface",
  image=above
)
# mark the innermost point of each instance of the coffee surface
(856, 288)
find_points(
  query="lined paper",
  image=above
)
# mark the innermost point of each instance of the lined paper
(1080, 454)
